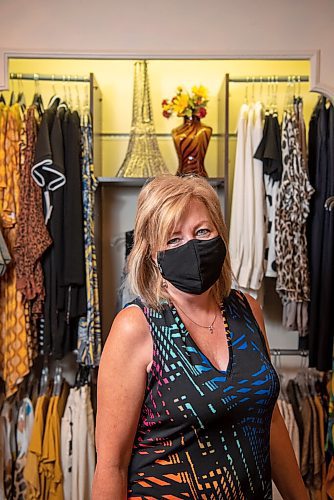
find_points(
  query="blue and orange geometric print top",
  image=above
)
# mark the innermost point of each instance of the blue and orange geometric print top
(204, 433)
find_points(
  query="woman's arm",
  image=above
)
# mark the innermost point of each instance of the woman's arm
(284, 466)
(121, 389)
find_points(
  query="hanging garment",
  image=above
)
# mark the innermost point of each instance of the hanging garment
(53, 258)
(269, 150)
(330, 423)
(50, 463)
(77, 445)
(9, 414)
(270, 153)
(69, 436)
(74, 263)
(248, 206)
(292, 211)
(320, 490)
(237, 212)
(290, 422)
(259, 241)
(294, 433)
(330, 438)
(3, 127)
(5, 257)
(271, 190)
(89, 332)
(326, 291)
(25, 421)
(296, 400)
(247, 232)
(2, 456)
(291, 425)
(212, 415)
(32, 236)
(321, 236)
(46, 172)
(14, 358)
(306, 451)
(316, 458)
(124, 292)
(34, 455)
(301, 130)
(295, 317)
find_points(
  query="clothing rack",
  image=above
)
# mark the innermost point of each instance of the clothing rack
(289, 352)
(224, 122)
(269, 79)
(52, 78)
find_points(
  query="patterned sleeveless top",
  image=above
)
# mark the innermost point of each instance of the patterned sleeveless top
(204, 433)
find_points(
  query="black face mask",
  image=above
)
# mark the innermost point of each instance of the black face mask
(195, 266)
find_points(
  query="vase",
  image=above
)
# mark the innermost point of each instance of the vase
(191, 140)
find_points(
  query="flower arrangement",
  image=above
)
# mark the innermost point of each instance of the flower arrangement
(187, 104)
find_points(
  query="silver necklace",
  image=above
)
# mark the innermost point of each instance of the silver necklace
(210, 327)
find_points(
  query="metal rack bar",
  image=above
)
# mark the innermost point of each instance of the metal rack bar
(157, 134)
(52, 78)
(289, 352)
(269, 79)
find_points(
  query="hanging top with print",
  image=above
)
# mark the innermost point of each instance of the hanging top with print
(204, 433)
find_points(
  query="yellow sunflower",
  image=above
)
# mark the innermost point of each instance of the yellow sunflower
(200, 91)
(180, 103)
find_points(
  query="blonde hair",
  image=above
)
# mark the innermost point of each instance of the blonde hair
(160, 204)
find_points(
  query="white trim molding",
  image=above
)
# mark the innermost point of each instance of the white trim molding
(314, 56)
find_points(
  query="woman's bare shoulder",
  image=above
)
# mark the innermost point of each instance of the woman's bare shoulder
(130, 330)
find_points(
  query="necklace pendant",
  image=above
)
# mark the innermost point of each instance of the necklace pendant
(211, 328)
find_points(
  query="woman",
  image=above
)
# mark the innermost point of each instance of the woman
(186, 392)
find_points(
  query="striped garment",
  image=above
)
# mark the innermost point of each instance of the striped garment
(89, 332)
(204, 433)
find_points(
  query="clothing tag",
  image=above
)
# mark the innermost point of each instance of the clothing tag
(48, 206)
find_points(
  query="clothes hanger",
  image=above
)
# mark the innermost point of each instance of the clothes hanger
(246, 91)
(85, 118)
(253, 90)
(21, 100)
(57, 380)
(281, 375)
(261, 88)
(55, 99)
(37, 99)
(12, 99)
(44, 380)
(299, 87)
(83, 376)
(275, 93)
(268, 97)
(300, 380)
(329, 203)
(78, 103)
(70, 100)
(65, 98)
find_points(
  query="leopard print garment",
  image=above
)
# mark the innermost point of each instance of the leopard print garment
(292, 209)
(33, 237)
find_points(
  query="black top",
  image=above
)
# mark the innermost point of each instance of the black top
(269, 150)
